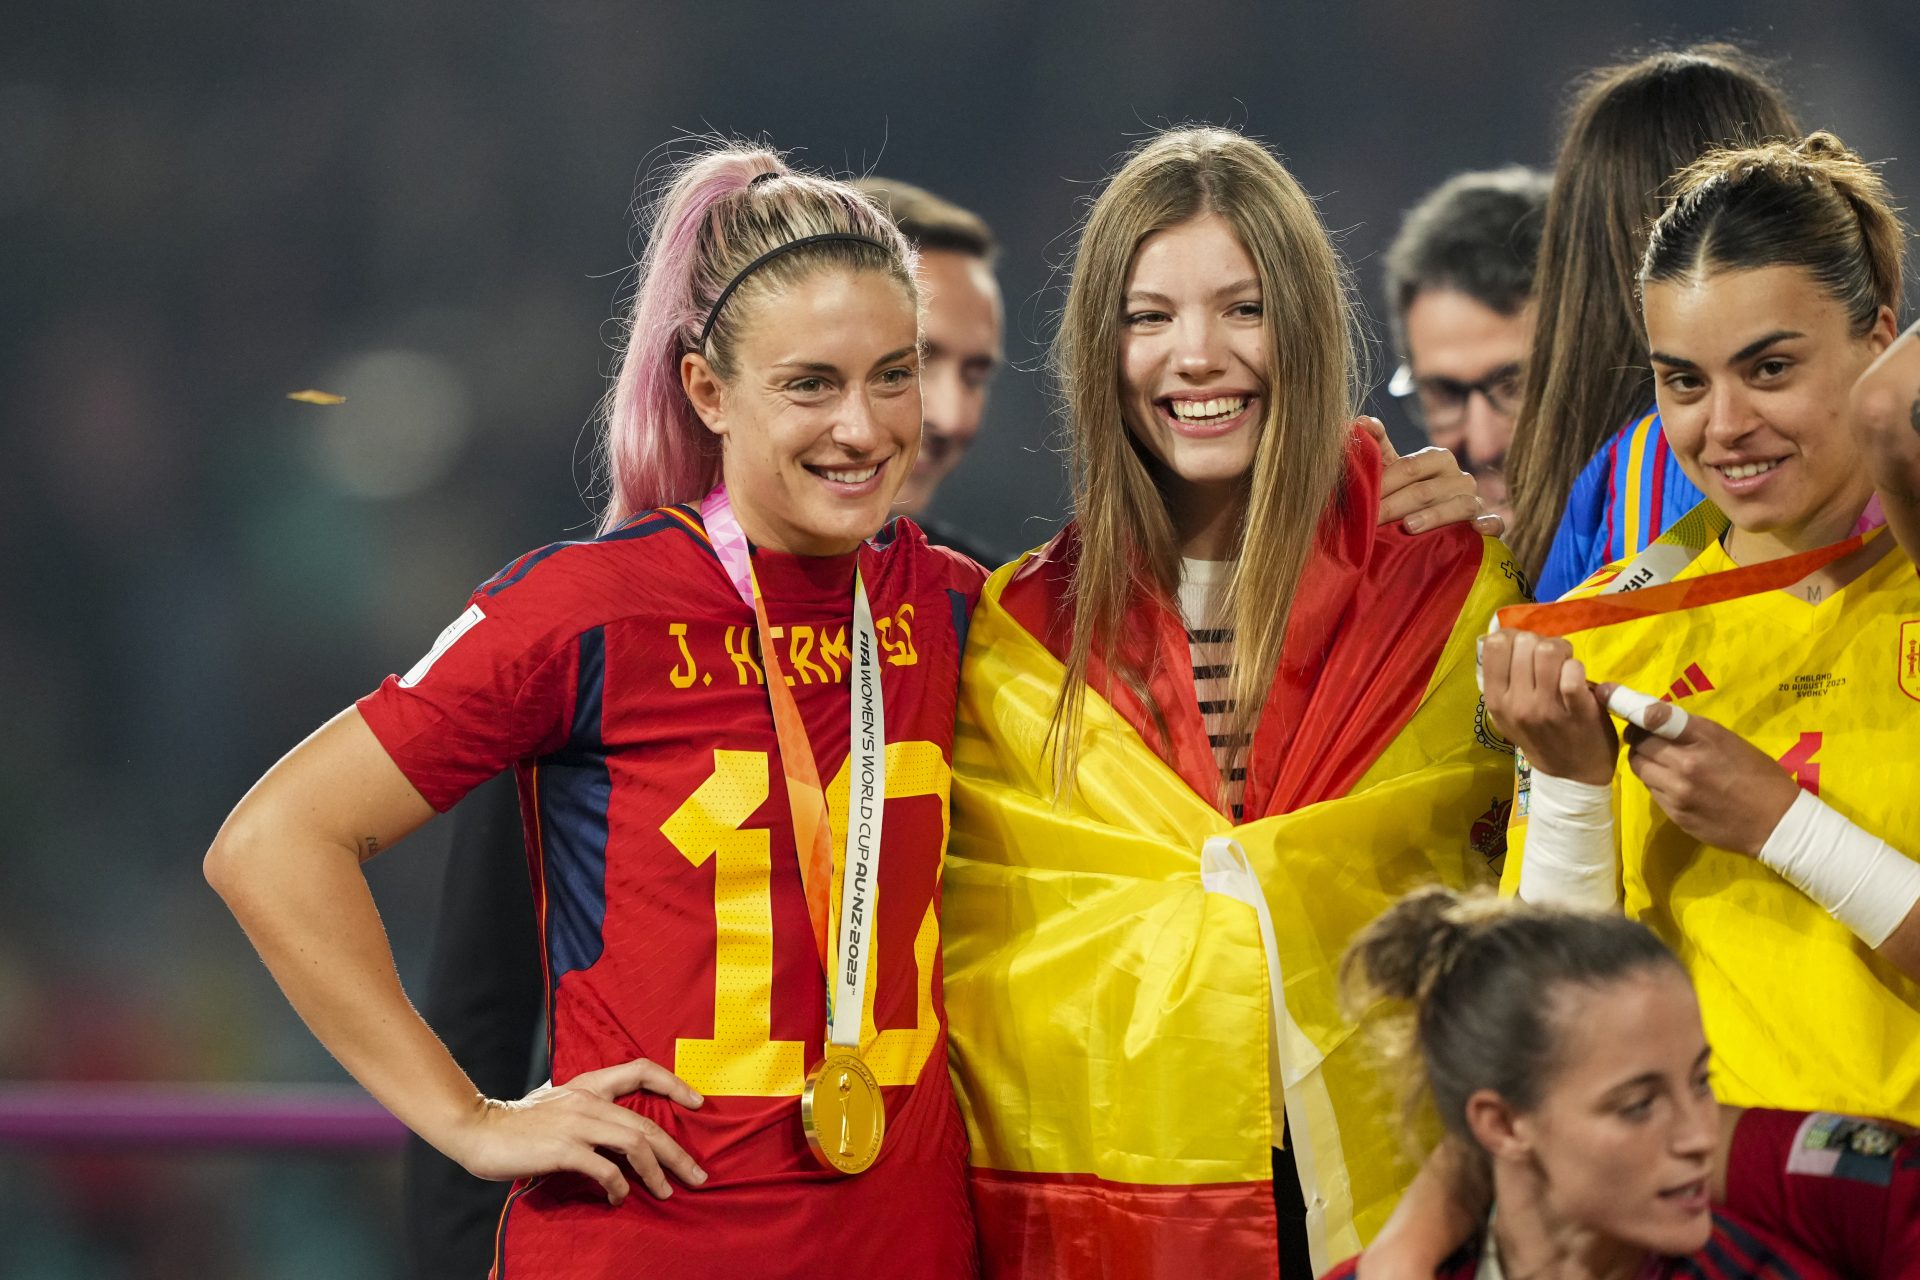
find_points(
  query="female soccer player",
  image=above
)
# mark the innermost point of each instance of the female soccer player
(1586, 410)
(673, 694)
(1750, 825)
(1222, 643)
(673, 703)
(1564, 1050)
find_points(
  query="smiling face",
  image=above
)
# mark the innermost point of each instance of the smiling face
(1620, 1147)
(1193, 353)
(1752, 370)
(960, 354)
(820, 421)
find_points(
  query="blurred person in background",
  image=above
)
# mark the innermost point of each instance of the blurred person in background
(764, 415)
(1459, 300)
(963, 324)
(485, 991)
(484, 987)
(1564, 1054)
(1590, 474)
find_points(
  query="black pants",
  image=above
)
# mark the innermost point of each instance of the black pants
(1291, 1208)
(483, 997)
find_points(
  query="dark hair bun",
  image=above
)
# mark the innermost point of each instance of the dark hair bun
(1479, 973)
(1405, 951)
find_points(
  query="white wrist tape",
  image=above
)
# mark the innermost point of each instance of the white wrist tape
(1863, 882)
(1569, 860)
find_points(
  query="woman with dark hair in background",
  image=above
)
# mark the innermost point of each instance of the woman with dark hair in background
(671, 745)
(1207, 732)
(1632, 127)
(1564, 1050)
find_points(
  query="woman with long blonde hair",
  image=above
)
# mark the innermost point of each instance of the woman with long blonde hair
(1205, 733)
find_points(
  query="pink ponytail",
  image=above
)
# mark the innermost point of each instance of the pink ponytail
(657, 450)
(706, 229)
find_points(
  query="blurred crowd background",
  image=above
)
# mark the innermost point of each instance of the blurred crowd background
(426, 207)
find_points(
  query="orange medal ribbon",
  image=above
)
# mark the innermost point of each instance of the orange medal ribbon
(842, 1110)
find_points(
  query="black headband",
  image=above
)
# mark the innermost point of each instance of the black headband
(769, 256)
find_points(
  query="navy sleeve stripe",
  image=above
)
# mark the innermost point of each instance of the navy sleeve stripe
(1759, 1257)
(574, 793)
(639, 527)
(962, 618)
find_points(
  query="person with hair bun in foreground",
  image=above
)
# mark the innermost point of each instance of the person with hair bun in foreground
(1564, 1050)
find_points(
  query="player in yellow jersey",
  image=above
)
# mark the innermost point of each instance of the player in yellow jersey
(1764, 821)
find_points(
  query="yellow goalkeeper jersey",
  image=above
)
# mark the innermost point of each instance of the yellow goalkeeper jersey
(1801, 1014)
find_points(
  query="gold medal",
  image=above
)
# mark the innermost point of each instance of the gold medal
(842, 1112)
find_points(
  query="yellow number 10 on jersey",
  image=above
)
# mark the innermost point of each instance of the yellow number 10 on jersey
(742, 1058)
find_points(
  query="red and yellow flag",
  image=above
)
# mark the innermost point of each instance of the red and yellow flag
(1112, 959)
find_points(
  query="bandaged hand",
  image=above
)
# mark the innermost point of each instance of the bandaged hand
(1715, 785)
(1861, 880)
(1539, 698)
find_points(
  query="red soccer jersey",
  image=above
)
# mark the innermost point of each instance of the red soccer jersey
(1810, 1196)
(623, 678)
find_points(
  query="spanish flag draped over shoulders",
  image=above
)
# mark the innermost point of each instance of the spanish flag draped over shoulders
(1801, 1014)
(1112, 960)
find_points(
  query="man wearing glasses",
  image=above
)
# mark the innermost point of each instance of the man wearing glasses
(1459, 294)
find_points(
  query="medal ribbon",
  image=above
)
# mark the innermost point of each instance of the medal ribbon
(846, 955)
(1646, 586)
(1680, 545)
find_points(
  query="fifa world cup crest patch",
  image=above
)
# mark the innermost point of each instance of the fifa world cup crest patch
(1909, 671)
